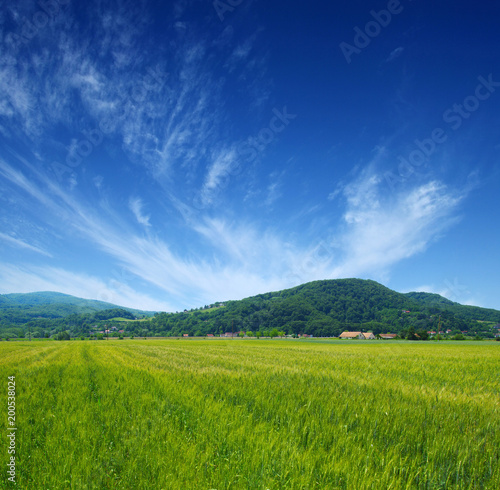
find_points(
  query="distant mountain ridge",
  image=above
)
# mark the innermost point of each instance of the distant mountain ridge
(319, 308)
(326, 308)
(466, 311)
(430, 298)
(19, 308)
(51, 297)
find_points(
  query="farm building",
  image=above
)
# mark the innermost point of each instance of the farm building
(388, 336)
(351, 335)
(357, 335)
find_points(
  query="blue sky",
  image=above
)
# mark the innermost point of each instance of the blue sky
(166, 155)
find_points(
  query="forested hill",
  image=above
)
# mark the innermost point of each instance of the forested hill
(319, 308)
(463, 311)
(17, 309)
(325, 308)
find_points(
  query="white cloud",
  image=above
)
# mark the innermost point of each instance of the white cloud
(382, 230)
(240, 258)
(240, 53)
(16, 242)
(274, 189)
(222, 163)
(136, 206)
(19, 179)
(396, 53)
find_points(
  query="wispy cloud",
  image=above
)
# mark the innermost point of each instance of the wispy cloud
(383, 230)
(240, 53)
(16, 242)
(171, 123)
(274, 189)
(136, 205)
(378, 232)
(17, 178)
(218, 172)
(396, 53)
(187, 280)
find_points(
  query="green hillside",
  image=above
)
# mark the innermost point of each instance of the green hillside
(319, 308)
(463, 311)
(326, 308)
(20, 308)
(430, 299)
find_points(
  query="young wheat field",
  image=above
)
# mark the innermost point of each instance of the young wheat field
(253, 414)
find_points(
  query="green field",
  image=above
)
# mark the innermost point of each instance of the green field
(249, 414)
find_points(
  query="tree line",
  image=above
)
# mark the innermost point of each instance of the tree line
(320, 308)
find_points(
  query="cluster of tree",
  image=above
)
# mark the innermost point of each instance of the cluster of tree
(320, 308)
(437, 303)
(19, 309)
(74, 324)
